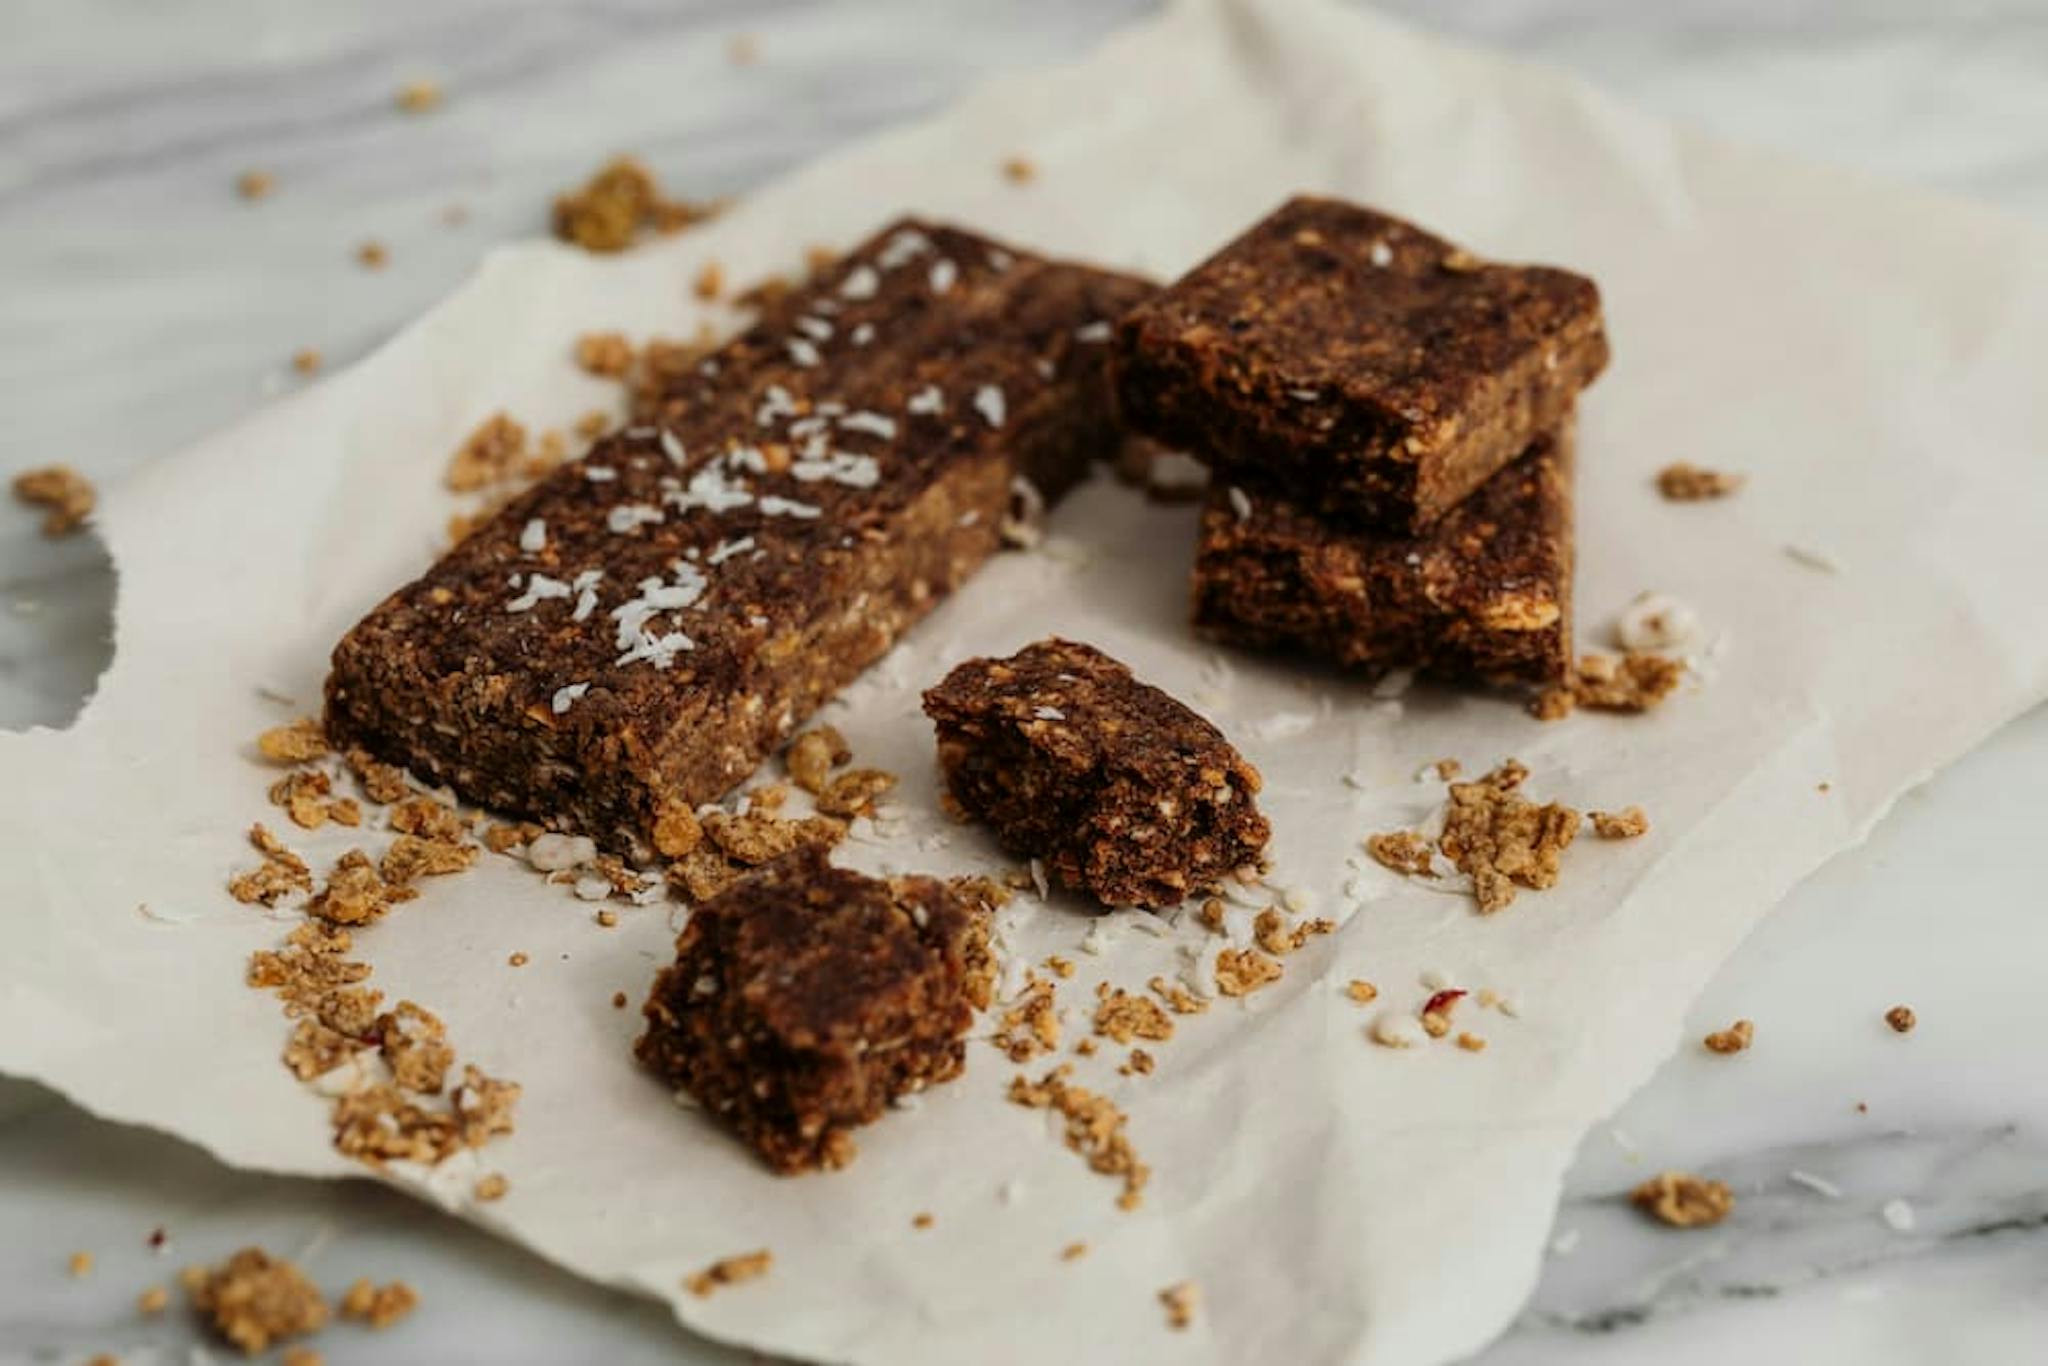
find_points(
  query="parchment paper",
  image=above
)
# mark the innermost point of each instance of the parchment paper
(1872, 358)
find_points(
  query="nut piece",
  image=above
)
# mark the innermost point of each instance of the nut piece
(1683, 1200)
(1734, 1039)
(1901, 1019)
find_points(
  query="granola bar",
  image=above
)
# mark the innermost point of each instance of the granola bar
(1125, 793)
(805, 998)
(1354, 361)
(633, 635)
(1485, 595)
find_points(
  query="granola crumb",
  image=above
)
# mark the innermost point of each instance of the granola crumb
(1240, 972)
(617, 205)
(491, 1187)
(488, 455)
(1634, 682)
(1901, 1019)
(79, 1264)
(1471, 1043)
(1058, 966)
(1272, 933)
(1404, 851)
(299, 742)
(1503, 841)
(605, 354)
(1624, 824)
(1734, 1039)
(281, 873)
(65, 495)
(1681, 482)
(1020, 170)
(518, 960)
(921, 1221)
(254, 1299)
(417, 97)
(1094, 1128)
(306, 360)
(1031, 1025)
(1362, 991)
(619, 1000)
(153, 1300)
(1139, 1064)
(379, 1306)
(853, 792)
(1683, 1200)
(1178, 997)
(255, 184)
(709, 282)
(608, 918)
(1073, 1252)
(1180, 1301)
(301, 1356)
(1121, 1016)
(730, 1271)
(373, 255)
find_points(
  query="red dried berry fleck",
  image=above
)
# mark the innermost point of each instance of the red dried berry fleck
(1442, 1001)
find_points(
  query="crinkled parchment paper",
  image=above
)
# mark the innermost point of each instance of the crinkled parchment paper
(1872, 358)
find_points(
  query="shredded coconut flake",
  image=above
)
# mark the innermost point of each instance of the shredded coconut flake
(874, 423)
(943, 275)
(903, 247)
(533, 537)
(862, 334)
(817, 329)
(1097, 331)
(539, 588)
(988, 401)
(926, 400)
(565, 698)
(802, 351)
(860, 283)
(1240, 503)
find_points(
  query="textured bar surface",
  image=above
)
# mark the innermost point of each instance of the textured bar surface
(1485, 595)
(805, 998)
(1124, 792)
(639, 630)
(1358, 365)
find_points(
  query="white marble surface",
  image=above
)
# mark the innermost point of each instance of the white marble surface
(146, 304)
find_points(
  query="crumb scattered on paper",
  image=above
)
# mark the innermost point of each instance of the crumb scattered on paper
(1687, 483)
(253, 1299)
(1180, 1301)
(65, 496)
(612, 210)
(419, 96)
(1094, 1128)
(1624, 824)
(378, 1306)
(1683, 1200)
(1734, 1039)
(726, 1271)
(1901, 1019)
(1502, 840)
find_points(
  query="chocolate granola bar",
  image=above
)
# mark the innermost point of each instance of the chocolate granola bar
(1484, 595)
(1125, 793)
(805, 998)
(1370, 371)
(635, 633)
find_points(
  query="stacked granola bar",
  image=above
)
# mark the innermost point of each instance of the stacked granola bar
(1388, 423)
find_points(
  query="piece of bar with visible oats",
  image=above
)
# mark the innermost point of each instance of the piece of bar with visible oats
(805, 998)
(1366, 370)
(1483, 596)
(1125, 793)
(632, 636)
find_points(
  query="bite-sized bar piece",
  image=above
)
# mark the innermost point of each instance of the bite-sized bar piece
(1358, 365)
(805, 998)
(1485, 595)
(631, 637)
(1125, 793)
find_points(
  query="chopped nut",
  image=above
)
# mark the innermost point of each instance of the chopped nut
(65, 495)
(1734, 1039)
(254, 1299)
(730, 1271)
(1684, 1201)
(1180, 1301)
(1686, 483)
(1624, 824)
(1901, 1019)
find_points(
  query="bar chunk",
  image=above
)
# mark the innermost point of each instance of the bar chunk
(1371, 372)
(640, 629)
(805, 998)
(1125, 793)
(1483, 596)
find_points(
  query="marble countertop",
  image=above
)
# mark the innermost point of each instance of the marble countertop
(1893, 1189)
